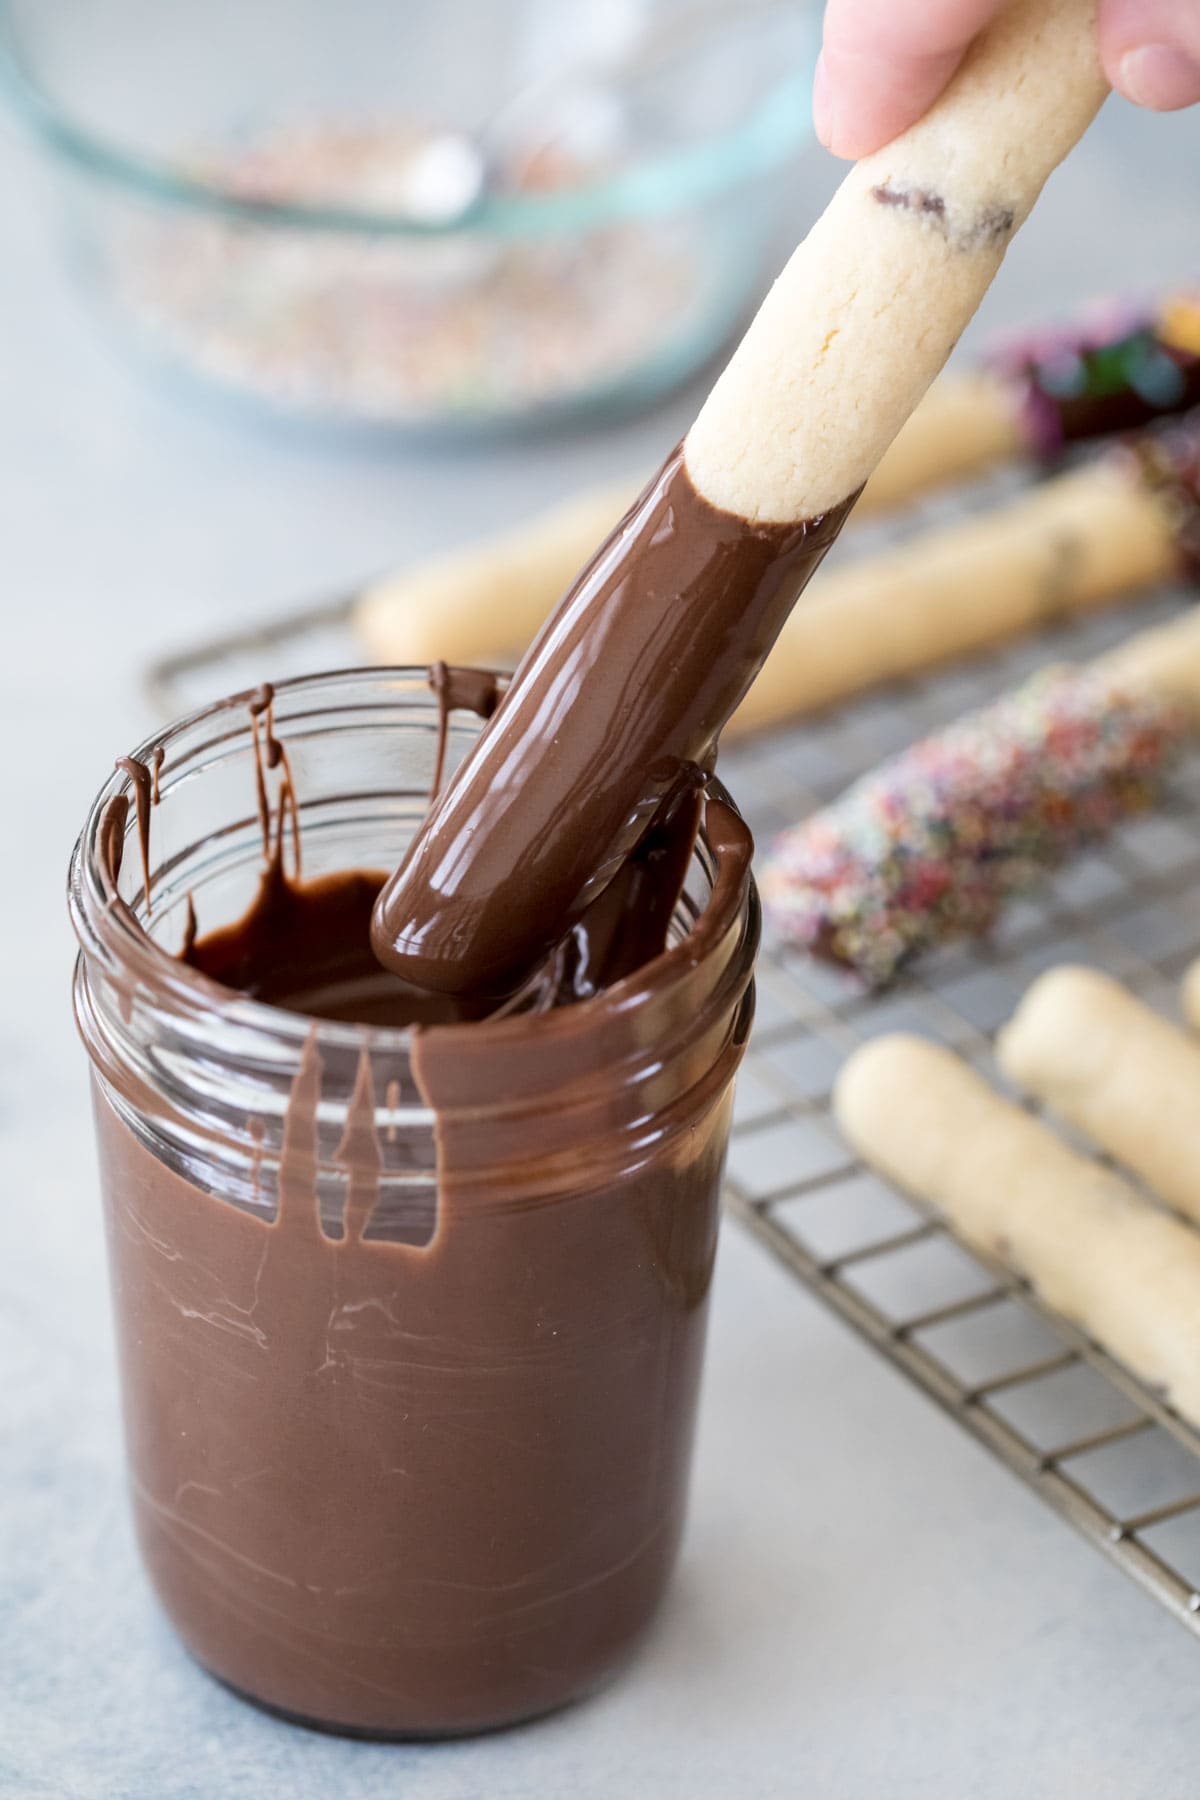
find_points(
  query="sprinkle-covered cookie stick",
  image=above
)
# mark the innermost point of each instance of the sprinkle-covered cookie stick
(637, 670)
(929, 846)
(1076, 542)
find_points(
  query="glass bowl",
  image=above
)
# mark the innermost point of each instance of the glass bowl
(433, 217)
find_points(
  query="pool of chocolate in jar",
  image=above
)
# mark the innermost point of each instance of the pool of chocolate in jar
(305, 945)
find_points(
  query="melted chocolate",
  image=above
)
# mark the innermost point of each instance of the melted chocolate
(144, 783)
(305, 946)
(270, 753)
(190, 929)
(626, 687)
(110, 849)
(1099, 414)
(1071, 386)
(459, 690)
(989, 225)
(432, 1487)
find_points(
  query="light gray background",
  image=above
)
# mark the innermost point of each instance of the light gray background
(867, 1605)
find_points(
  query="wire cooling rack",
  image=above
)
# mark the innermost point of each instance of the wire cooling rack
(1083, 1433)
(1088, 1437)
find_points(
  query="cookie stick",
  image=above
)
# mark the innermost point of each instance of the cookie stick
(929, 846)
(1117, 367)
(1163, 662)
(1113, 1068)
(1111, 371)
(1075, 543)
(644, 660)
(484, 602)
(870, 306)
(1093, 1249)
(1189, 994)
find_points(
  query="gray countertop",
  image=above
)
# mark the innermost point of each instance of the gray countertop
(866, 1605)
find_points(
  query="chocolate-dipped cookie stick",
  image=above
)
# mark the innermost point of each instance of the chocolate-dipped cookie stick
(1119, 368)
(929, 846)
(1079, 541)
(639, 667)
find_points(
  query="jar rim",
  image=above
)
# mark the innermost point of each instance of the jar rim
(111, 935)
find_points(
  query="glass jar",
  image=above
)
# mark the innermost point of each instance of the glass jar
(408, 1450)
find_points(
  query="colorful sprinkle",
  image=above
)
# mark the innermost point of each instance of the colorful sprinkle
(1116, 368)
(929, 846)
(366, 328)
(1179, 323)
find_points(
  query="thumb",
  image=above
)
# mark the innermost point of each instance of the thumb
(1151, 51)
(883, 62)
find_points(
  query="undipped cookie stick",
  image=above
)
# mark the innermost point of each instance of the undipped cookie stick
(1190, 995)
(871, 304)
(1093, 1249)
(1109, 371)
(1075, 543)
(929, 846)
(1116, 368)
(1113, 1068)
(646, 657)
(482, 603)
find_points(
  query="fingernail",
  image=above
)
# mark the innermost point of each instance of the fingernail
(1159, 76)
(822, 104)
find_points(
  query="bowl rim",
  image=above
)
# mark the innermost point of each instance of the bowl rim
(776, 128)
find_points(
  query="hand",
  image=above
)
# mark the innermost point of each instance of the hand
(885, 61)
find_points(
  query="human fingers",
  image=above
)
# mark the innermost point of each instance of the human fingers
(1151, 51)
(883, 62)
